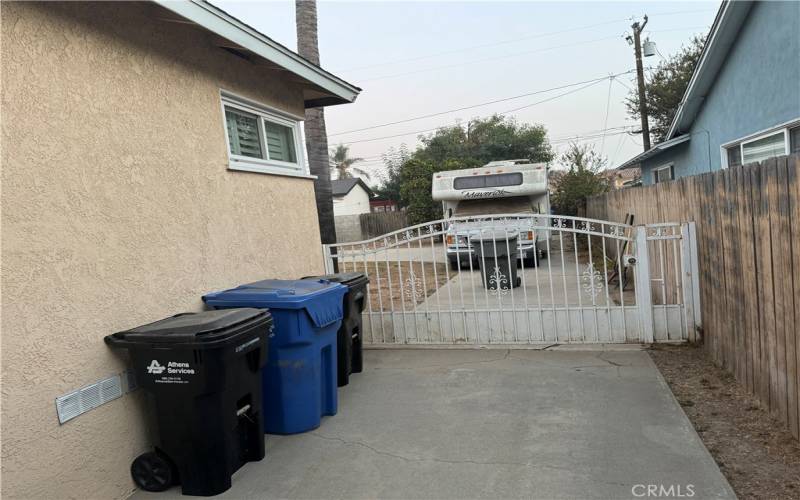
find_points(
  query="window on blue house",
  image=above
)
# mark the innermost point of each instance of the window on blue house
(794, 140)
(782, 140)
(735, 156)
(663, 174)
(764, 147)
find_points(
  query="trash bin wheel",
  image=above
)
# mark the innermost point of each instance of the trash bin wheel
(152, 471)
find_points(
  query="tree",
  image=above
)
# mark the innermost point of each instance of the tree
(316, 135)
(342, 163)
(416, 178)
(665, 87)
(486, 139)
(393, 161)
(583, 178)
(456, 147)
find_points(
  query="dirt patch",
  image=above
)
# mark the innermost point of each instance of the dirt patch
(404, 282)
(759, 458)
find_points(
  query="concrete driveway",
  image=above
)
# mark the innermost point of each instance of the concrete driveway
(492, 424)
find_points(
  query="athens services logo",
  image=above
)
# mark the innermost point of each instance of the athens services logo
(155, 368)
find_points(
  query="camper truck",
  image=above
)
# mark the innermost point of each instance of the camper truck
(506, 188)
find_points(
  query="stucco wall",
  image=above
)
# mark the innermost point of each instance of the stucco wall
(117, 210)
(757, 88)
(354, 202)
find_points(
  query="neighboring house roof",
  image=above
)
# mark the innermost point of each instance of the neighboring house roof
(326, 89)
(721, 37)
(658, 148)
(340, 187)
(626, 174)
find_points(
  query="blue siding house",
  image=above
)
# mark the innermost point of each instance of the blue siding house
(742, 104)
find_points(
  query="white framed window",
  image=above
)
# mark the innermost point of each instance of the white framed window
(777, 141)
(260, 139)
(664, 173)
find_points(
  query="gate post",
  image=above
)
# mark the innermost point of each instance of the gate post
(644, 294)
(327, 259)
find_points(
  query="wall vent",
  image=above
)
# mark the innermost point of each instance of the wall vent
(78, 402)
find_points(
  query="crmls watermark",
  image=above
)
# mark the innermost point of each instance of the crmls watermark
(663, 490)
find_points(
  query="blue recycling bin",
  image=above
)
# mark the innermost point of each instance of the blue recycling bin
(300, 376)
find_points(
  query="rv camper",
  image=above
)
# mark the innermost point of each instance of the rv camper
(500, 190)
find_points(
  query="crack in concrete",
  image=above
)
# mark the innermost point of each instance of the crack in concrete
(613, 363)
(436, 460)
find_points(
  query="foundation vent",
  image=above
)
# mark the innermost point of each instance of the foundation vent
(78, 402)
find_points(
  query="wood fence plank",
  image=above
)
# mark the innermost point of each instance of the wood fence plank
(777, 386)
(792, 334)
(740, 266)
(781, 266)
(749, 302)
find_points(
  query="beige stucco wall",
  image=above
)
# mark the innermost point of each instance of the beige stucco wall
(117, 210)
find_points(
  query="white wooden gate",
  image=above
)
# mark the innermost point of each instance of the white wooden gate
(584, 281)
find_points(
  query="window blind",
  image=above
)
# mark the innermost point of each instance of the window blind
(243, 134)
(767, 147)
(280, 142)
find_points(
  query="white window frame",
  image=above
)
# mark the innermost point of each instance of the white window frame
(265, 113)
(663, 167)
(785, 127)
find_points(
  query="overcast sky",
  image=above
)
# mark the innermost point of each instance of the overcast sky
(419, 58)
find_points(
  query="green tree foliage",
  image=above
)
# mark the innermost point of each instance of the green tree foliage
(455, 147)
(486, 139)
(582, 178)
(393, 160)
(665, 87)
(342, 164)
(415, 190)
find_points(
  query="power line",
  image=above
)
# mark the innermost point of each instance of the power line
(608, 108)
(535, 51)
(473, 47)
(590, 134)
(463, 108)
(503, 112)
(488, 59)
(512, 40)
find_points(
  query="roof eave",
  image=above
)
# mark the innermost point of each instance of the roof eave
(655, 150)
(219, 22)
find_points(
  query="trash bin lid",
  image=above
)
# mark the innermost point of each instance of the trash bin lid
(321, 299)
(351, 279)
(206, 326)
(498, 235)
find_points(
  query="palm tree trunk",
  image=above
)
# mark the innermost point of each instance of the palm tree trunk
(316, 135)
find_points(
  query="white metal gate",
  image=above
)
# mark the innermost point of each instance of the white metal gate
(591, 281)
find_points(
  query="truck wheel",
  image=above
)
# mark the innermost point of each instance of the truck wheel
(454, 265)
(152, 471)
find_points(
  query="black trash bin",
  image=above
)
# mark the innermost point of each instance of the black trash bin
(349, 351)
(497, 251)
(202, 373)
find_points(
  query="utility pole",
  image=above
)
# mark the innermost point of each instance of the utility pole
(637, 31)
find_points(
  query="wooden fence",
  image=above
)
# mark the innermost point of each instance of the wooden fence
(379, 223)
(748, 231)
